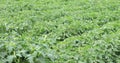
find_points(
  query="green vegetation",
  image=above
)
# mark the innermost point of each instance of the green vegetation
(59, 31)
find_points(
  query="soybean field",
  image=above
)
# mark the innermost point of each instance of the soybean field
(59, 31)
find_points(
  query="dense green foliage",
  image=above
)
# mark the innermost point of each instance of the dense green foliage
(59, 31)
